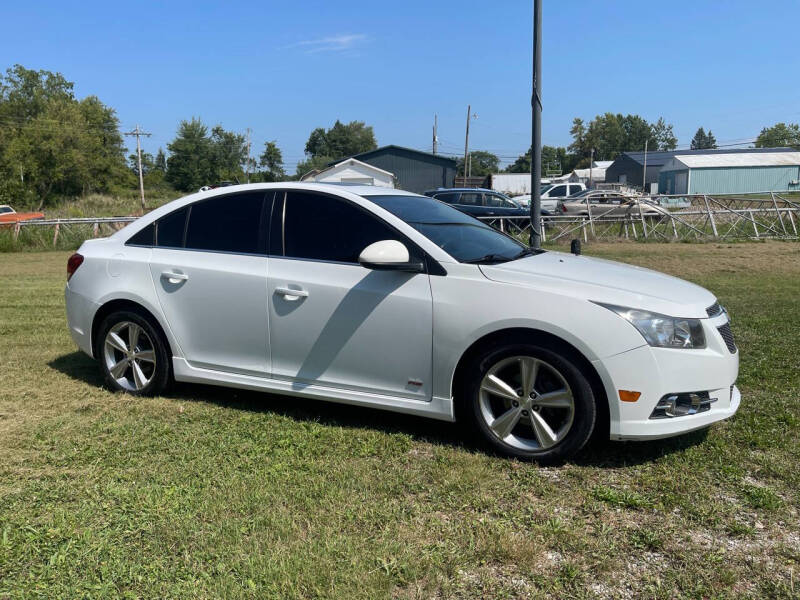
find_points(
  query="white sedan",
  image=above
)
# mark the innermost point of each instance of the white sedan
(378, 297)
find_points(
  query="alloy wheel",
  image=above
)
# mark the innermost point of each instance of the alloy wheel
(130, 356)
(526, 403)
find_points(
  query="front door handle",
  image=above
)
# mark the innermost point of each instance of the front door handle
(173, 277)
(290, 294)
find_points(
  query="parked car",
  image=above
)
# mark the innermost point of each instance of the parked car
(609, 204)
(379, 297)
(551, 194)
(479, 202)
(8, 216)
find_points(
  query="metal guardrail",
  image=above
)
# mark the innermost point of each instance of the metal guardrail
(97, 224)
(699, 218)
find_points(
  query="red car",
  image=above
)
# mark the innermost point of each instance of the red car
(8, 216)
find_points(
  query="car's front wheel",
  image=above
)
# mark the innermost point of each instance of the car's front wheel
(133, 354)
(530, 402)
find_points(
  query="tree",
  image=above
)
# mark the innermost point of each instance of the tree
(190, 164)
(553, 158)
(148, 163)
(52, 144)
(483, 163)
(610, 134)
(229, 153)
(161, 161)
(271, 160)
(665, 137)
(312, 163)
(199, 158)
(780, 135)
(341, 140)
(703, 140)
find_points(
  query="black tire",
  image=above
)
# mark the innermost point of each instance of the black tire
(554, 366)
(158, 376)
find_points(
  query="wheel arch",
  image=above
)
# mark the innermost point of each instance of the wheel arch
(125, 304)
(549, 340)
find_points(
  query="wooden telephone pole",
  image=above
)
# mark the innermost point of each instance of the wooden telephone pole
(139, 133)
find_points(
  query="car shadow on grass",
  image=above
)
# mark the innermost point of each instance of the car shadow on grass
(597, 453)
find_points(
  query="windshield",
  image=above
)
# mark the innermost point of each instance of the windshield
(545, 187)
(463, 237)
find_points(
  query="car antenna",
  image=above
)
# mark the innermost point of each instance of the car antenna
(575, 247)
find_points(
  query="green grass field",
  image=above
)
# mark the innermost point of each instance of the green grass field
(211, 492)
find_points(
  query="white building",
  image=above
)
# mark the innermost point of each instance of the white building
(352, 170)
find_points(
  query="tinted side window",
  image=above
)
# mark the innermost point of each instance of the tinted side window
(230, 223)
(145, 237)
(325, 228)
(492, 200)
(558, 192)
(574, 189)
(449, 198)
(170, 229)
(471, 199)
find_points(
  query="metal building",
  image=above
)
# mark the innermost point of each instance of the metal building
(731, 173)
(629, 166)
(415, 171)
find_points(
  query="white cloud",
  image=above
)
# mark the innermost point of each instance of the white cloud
(333, 43)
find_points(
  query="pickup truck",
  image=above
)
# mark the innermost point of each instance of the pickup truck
(8, 216)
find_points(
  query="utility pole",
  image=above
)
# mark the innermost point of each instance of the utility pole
(644, 169)
(247, 160)
(466, 144)
(139, 133)
(536, 128)
(435, 132)
(591, 166)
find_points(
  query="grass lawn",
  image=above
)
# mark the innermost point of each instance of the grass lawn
(211, 492)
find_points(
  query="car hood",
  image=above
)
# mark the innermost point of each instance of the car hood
(605, 281)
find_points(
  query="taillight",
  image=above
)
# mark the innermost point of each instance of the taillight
(73, 262)
(563, 208)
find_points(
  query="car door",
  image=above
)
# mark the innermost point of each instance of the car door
(334, 322)
(209, 269)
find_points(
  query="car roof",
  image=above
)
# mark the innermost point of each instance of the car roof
(354, 188)
(463, 189)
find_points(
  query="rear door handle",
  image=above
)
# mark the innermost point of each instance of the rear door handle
(173, 277)
(290, 294)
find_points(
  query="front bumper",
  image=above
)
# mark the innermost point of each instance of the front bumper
(657, 372)
(80, 313)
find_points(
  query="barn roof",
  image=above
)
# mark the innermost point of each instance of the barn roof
(743, 159)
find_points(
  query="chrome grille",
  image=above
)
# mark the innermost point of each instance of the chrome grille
(714, 310)
(727, 335)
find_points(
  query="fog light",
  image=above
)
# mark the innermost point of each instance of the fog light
(680, 405)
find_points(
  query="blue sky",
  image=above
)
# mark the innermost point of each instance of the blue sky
(284, 68)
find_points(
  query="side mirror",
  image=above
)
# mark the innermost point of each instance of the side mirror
(389, 255)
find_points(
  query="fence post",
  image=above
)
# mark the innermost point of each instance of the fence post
(711, 216)
(583, 226)
(95, 229)
(780, 218)
(752, 220)
(674, 228)
(55, 235)
(541, 228)
(641, 216)
(791, 220)
(17, 227)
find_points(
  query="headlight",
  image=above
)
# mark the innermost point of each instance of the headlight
(663, 331)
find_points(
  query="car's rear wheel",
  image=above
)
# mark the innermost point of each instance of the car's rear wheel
(133, 355)
(530, 402)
